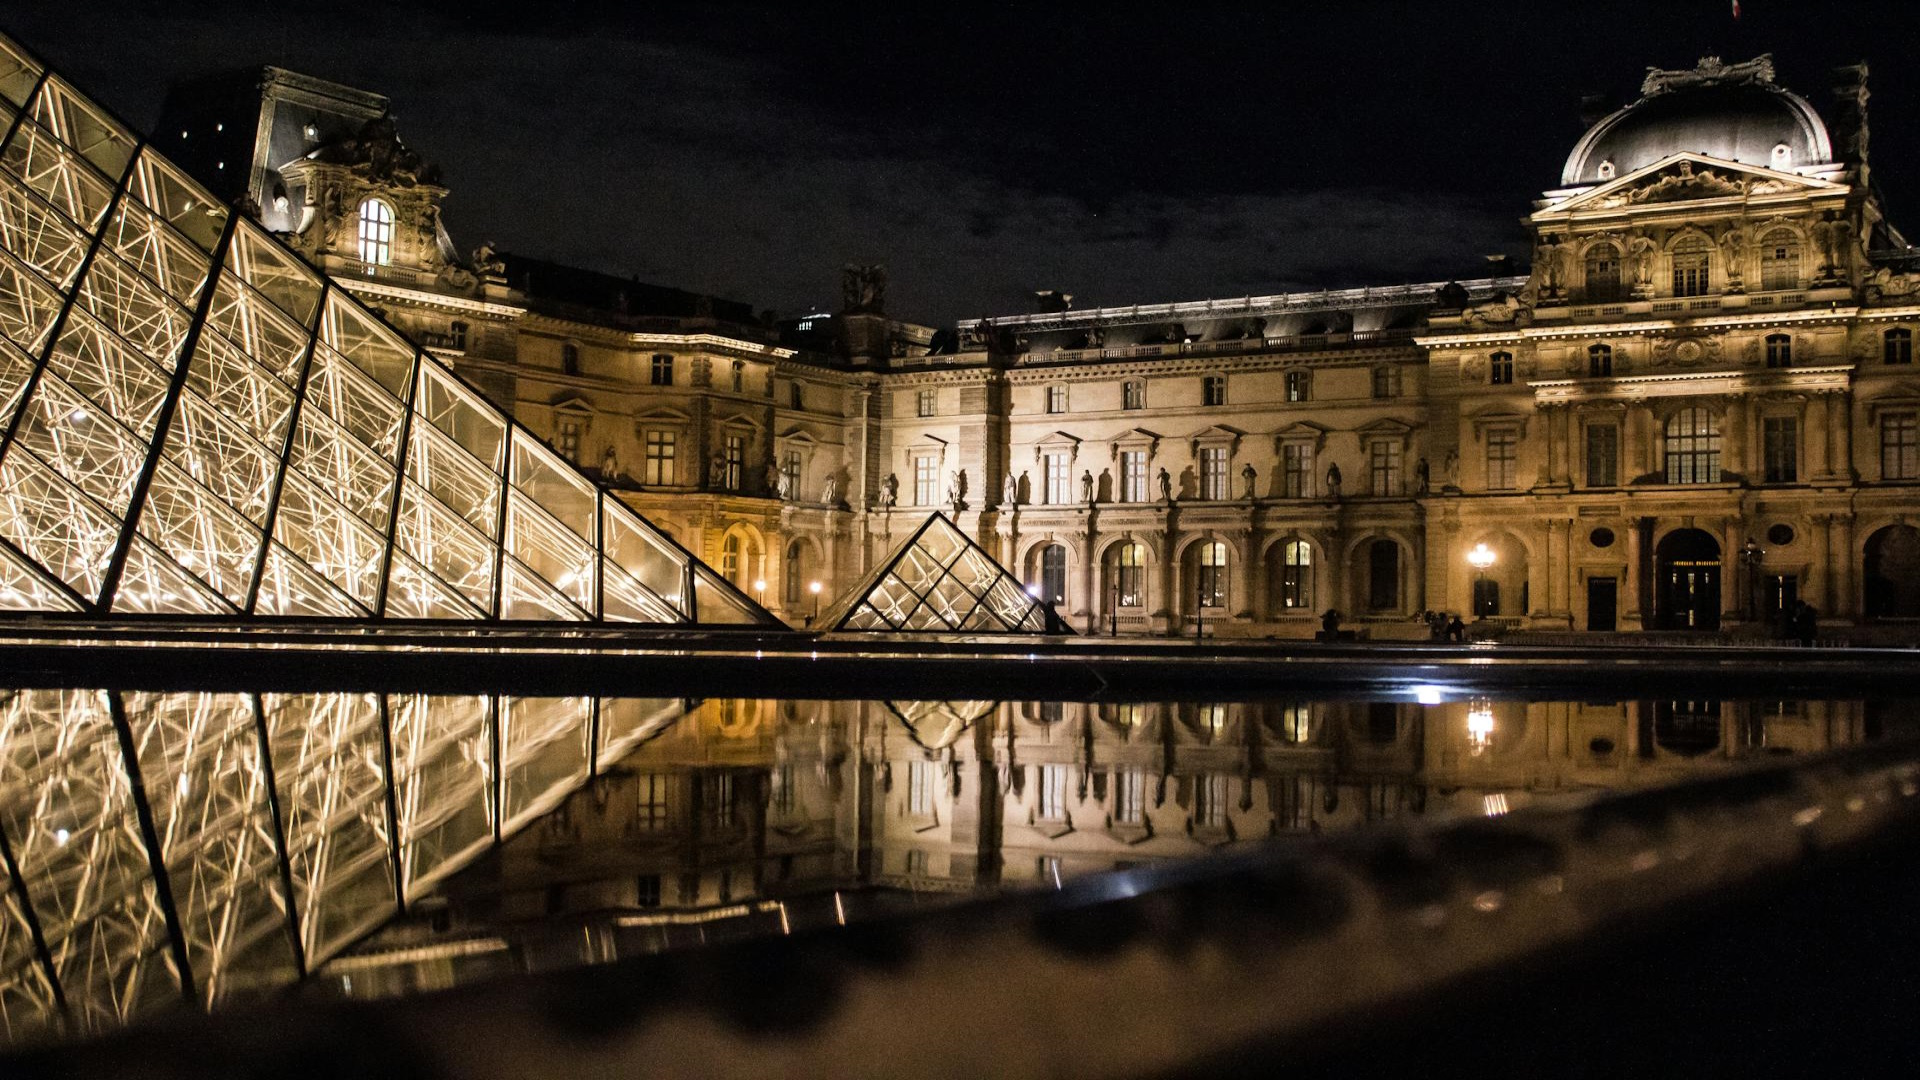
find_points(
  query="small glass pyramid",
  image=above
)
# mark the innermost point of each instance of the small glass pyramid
(939, 581)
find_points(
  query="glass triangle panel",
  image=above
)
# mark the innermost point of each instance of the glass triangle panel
(152, 584)
(413, 593)
(23, 589)
(53, 524)
(523, 595)
(290, 587)
(717, 603)
(654, 562)
(627, 600)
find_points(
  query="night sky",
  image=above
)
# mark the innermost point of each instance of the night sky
(1177, 153)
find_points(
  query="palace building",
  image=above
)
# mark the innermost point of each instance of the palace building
(1697, 409)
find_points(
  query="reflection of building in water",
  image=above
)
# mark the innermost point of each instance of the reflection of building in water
(757, 816)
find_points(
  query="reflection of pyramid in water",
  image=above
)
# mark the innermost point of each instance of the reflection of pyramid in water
(939, 580)
(193, 421)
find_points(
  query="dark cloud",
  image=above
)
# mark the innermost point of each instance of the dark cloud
(983, 153)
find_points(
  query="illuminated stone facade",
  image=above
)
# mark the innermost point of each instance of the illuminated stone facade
(1695, 411)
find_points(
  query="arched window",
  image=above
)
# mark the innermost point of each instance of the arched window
(1383, 575)
(730, 558)
(1692, 267)
(1600, 361)
(376, 233)
(1603, 273)
(795, 571)
(1296, 574)
(1127, 583)
(1779, 350)
(1053, 574)
(1211, 579)
(570, 358)
(1780, 260)
(1899, 345)
(1500, 369)
(1693, 447)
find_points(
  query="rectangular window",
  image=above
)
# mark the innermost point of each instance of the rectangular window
(920, 781)
(790, 471)
(457, 336)
(926, 480)
(663, 369)
(798, 399)
(1130, 576)
(925, 403)
(1057, 490)
(1386, 382)
(1129, 797)
(1503, 459)
(1383, 464)
(646, 891)
(1210, 801)
(1603, 455)
(660, 451)
(1213, 473)
(1296, 470)
(1500, 369)
(1298, 386)
(1899, 346)
(652, 802)
(1133, 476)
(566, 439)
(1690, 262)
(1053, 793)
(717, 805)
(1213, 390)
(916, 863)
(782, 796)
(1899, 446)
(1780, 436)
(736, 450)
(1133, 395)
(1056, 399)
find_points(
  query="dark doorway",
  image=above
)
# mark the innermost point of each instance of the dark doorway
(1781, 593)
(1486, 598)
(1383, 576)
(1893, 573)
(1687, 728)
(1687, 576)
(1053, 574)
(1603, 602)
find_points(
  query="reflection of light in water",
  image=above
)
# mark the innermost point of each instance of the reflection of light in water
(1479, 725)
(1495, 804)
(1428, 695)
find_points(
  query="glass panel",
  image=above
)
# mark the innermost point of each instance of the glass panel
(554, 484)
(443, 776)
(22, 588)
(627, 722)
(278, 275)
(438, 539)
(81, 125)
(157, 251)
(355, 402)
(200, 533)
(81, 443)
(328, 767)
(200, 766)
(67, 806)
(324, 453)
(371, 347)
(215, 453)
(59, 176)
(153, 585)
(15, 368)
(124, 384)
(627, 600)
(186, 205)
(53, 524)
(17, 73)
(119, 297)
(329, 539)
(543, 752)
(650, 559)
(455, 478)
(289, 587)
(37, 234)
(258, 329)
(524, 596)
(243, 392)
(27, 1008)
(27, 306)
(555, 554)
(414, 593)
(461, 413)
(715, 603)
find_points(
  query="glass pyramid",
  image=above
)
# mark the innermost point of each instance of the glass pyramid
(940, 581)
(193, 421)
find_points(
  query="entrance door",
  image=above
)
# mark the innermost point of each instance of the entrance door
(1688, 576)
(1603, 602)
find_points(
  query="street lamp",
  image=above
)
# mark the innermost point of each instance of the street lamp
(814, 588)
(1482, 559)
(760, 589)
(1750, 555)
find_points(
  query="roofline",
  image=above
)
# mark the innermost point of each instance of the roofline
(1278, 303)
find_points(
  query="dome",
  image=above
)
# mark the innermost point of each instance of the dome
(1733, 113)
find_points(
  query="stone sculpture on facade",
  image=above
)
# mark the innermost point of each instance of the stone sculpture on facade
(1010, 492)
(831, 493)
(1086, 486)
(863, 289)
(889, 491)
(1333, 481)
(1248, 476)
(1166, 485)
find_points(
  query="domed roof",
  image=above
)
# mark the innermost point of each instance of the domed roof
(1732, 112)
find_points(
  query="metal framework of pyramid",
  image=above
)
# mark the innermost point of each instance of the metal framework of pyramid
(195, 422)
(940, 581)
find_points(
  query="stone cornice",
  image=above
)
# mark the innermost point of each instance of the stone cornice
(427, 298)
(1693, 383)
(1642, 327)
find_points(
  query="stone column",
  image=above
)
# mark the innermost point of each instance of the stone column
(1253, 578)
(1734, 587)
(1845, 592)
(1093, 600)
(1820, 463)
(1333, 593)
(1822, 586)
(1633, 598)
(1636, 432)
(1540, 575)
(1840, 410)
(1417, 570)
(1562, 535)
(1733, 437)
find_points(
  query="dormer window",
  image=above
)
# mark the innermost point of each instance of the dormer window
(376, 233)
(1606, 170)
(1782, 156)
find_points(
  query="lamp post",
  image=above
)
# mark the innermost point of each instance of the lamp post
(1750, 555)
(760, 591)
(1482, 559)
(814, 588)
(1113, 606)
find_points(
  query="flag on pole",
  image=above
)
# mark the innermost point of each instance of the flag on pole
(1736, 8)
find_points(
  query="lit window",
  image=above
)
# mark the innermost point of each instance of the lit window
(1779, 350)
(1899, 345)
(660, 453)
(730, 557)
(1056, 399)
(795, 570)
(1210, 801)
(1296, 470)
(1780, 260)
(1057, 489)
(1129, 575)
(1693, 447)
(1600, 361)
(376, 233)
(1213, 473)
(1603, 273)
(926, 480)
(1780, 443)
(566, 439)
(1296, 574)
(1692, 267)
(1383, 463)
(1211, 579)
(1603, 455)
(1133, 395)
(1899, 446)
(736, 462)
(1053, 793)
(1500, 369)
(1386, 382)
(1298, 386)
(1133, 476)
(920, 781)
(663, 369)
(1296, 722)
(925, 403)
(1502, 460)
(1213, 390)
(1129, 797)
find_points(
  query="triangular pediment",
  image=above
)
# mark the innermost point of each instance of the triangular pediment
(1303, 429)
(1689, 177)
(574, 403)
(1059, 439)
(665, 414)
(798, 435)
(1386, 425)
(939, 581)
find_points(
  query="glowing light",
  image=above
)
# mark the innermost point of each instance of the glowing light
(814, 588)
(759, 584)
(1033, 591)
(1495, 804)
(1429, 695)
(60, 837)
(1480, 725)
(1481, 556)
